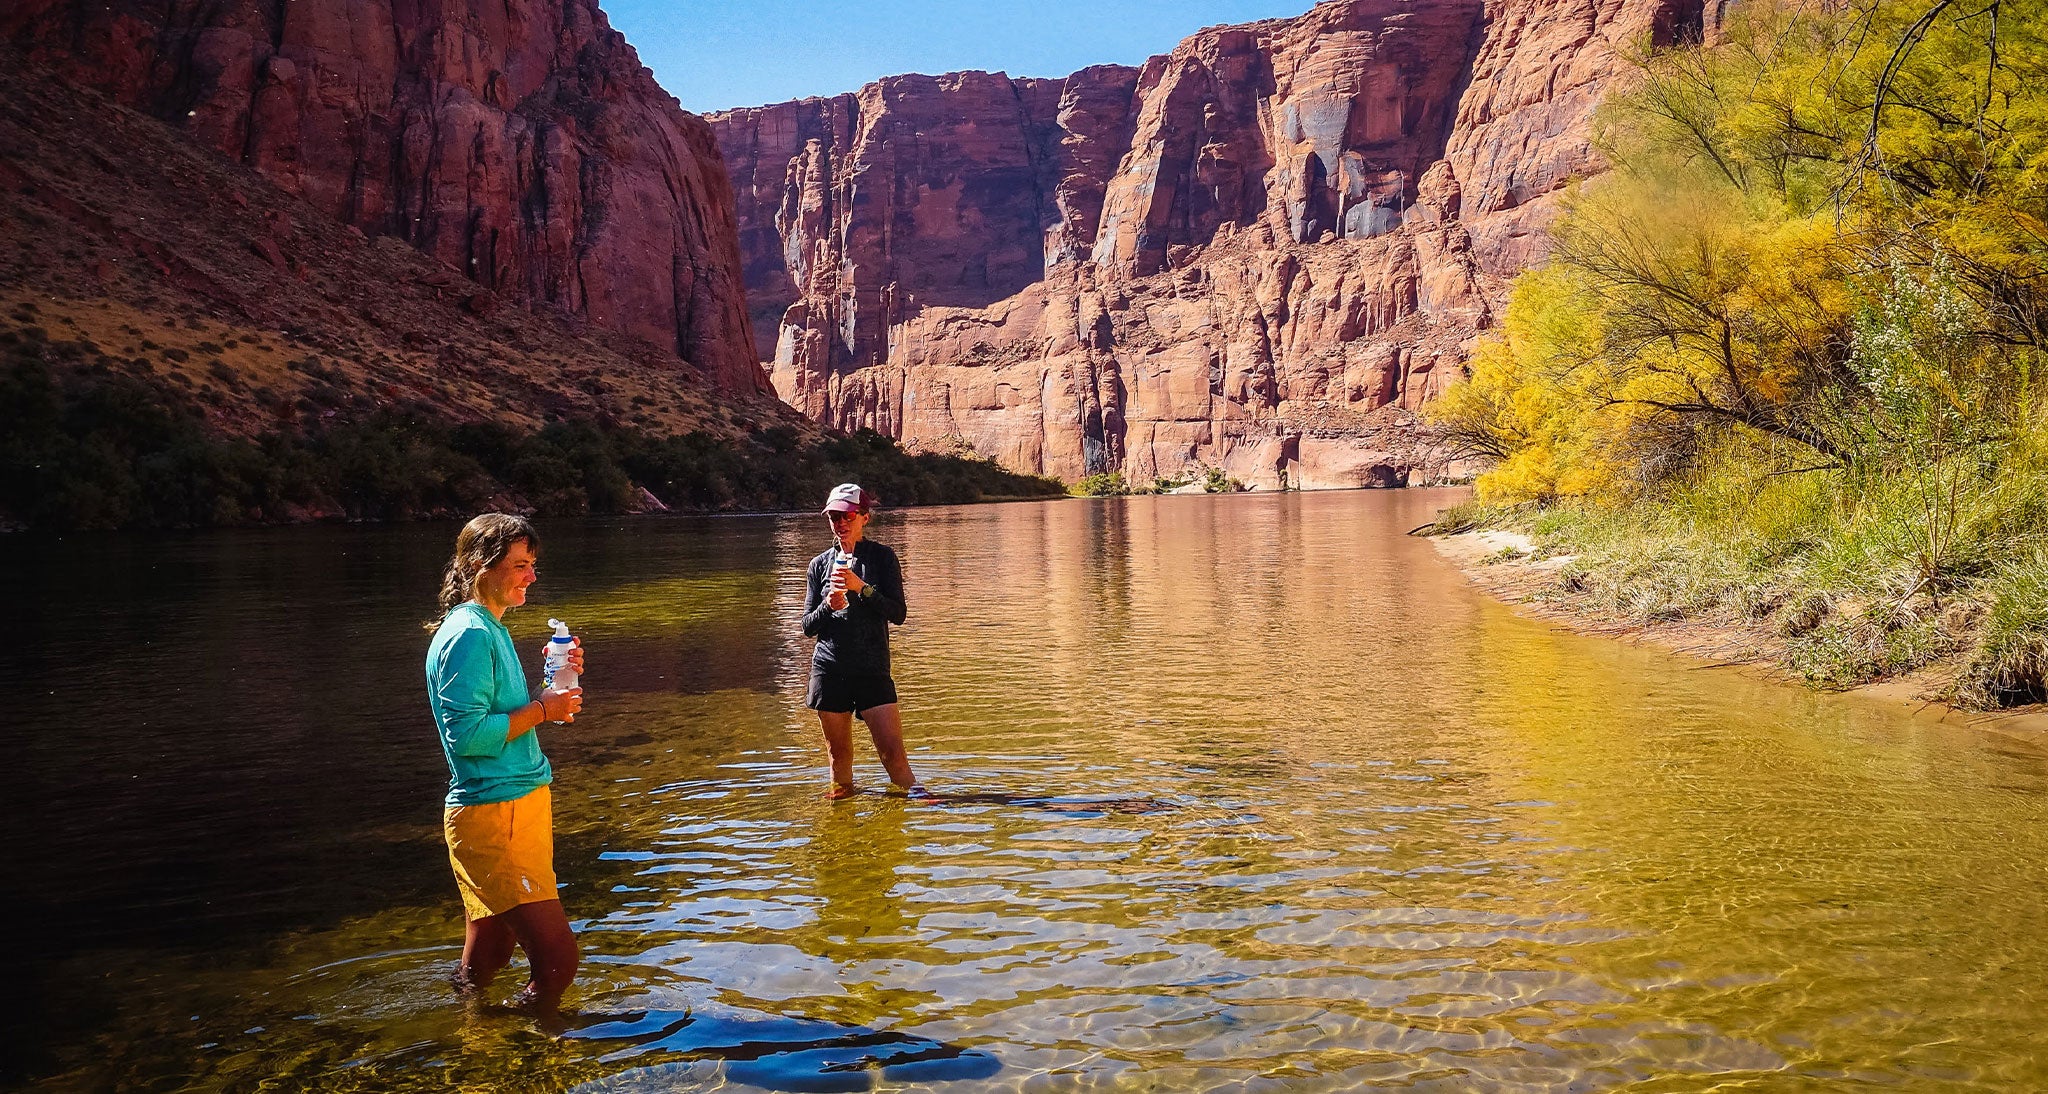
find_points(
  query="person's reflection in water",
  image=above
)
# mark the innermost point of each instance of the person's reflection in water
(853, 861)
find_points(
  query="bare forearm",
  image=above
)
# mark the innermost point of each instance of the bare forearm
(522, 721)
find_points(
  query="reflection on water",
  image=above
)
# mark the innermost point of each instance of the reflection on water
(1245, 791)
(777, 1053)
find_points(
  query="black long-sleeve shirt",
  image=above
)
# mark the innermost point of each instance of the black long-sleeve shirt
(855, 639)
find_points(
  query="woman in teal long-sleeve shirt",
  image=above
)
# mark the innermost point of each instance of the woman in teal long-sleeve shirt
(498, 817)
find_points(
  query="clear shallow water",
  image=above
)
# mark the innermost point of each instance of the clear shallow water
(1249, 792)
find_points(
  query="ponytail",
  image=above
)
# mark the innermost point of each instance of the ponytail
(482, 544)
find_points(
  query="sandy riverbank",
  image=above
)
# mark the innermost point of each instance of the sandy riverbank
(1504, 564)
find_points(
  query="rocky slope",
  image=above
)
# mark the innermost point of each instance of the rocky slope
(1259, 252)
(127, 251)
(519, 142)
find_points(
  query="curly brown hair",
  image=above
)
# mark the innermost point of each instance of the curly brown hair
(482, 544)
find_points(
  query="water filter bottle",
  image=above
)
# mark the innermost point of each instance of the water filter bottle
(843, 559)
(556, 673)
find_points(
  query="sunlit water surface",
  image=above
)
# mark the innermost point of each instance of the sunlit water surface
(1249, 792)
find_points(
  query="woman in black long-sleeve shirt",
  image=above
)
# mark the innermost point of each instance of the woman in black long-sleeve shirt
(853, 592)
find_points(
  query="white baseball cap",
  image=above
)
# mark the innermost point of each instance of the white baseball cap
(849, 498)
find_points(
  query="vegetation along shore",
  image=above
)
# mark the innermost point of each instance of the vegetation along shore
(90, 446)
(1782, 372)
(184, 344)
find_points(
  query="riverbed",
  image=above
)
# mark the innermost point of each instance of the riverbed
(1247, 792)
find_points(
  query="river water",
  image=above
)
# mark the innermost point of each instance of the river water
(1249, 792)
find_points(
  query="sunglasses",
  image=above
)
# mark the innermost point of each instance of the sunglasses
(837, 517)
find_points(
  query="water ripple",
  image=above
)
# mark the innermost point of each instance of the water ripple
(1243, 793)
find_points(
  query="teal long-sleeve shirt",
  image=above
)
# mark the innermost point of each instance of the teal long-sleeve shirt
(474, 682)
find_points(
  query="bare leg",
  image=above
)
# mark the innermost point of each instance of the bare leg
(486, 949)
(543, 931)
(885, 725)
(838, 727)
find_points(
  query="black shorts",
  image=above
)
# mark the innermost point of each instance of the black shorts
(840, 693)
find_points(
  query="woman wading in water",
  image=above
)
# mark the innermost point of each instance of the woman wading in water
(852, 593)
(498, 817)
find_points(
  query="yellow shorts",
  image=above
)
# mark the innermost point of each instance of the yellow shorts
(503, 852)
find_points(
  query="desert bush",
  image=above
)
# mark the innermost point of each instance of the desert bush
(79, 451)
(2009, 664)
(1102, 484)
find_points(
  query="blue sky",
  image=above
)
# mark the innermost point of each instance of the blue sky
(713, 54)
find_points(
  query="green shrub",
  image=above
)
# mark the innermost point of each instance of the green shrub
(2009, 665)
(110, 451)
(1102, 484)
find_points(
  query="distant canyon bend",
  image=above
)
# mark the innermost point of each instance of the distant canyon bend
(1260, 252)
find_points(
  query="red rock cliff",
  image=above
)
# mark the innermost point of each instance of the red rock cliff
(1257, 252)
(955, 190)
(520, 141)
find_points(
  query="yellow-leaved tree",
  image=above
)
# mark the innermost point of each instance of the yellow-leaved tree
(1766, 192)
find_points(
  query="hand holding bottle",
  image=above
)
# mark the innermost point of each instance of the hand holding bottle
(847, 580)
(561, 704)
(562, 671)
(842, 569)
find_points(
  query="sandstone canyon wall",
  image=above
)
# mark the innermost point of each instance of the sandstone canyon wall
(519, 141)
(1259, 252)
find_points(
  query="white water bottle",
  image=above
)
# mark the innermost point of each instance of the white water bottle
(843, 560)
(556, 675)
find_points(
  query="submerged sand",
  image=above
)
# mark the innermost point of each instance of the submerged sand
(1506, 565)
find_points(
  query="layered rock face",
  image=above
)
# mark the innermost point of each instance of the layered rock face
(919, 190)
(1258, 253)
(519, 141)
